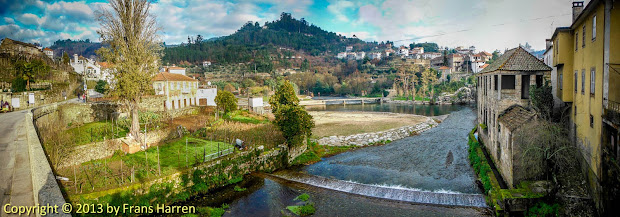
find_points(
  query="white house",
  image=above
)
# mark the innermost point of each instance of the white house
(403, 51)
(349, 48)
(417, 50)
(430, 55)
(342, 55)
(360, 55)
(49, 52)
(477, 66)
(256, 104)
(206, 63)
(375, 55)
(87, 67)
(206, 95)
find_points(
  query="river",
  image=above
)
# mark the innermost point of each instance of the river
(402, 178)
(416, 109)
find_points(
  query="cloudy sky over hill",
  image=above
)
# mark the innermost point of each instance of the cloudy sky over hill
(487, 24)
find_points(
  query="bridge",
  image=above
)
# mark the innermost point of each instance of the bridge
(343, 101)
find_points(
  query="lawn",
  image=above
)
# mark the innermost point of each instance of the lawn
(115, 171)
(246, 117)
(95, 132)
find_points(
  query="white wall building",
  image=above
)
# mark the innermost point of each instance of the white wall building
(206, 95)
(342, 55)
(375, 55)
(360, 55)
(206, 63)
(349, 48)
(548, 60)
(175, 70)
(86, 67)
(403, 51)
(430, 55)
(49, 52)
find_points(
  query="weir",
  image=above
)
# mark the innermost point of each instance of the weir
(387, 192)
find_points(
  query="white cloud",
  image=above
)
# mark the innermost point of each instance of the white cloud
(338, 8)
(9, 20)
(29, 19)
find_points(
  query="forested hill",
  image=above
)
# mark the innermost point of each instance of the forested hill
(252, 42)
(84, 48)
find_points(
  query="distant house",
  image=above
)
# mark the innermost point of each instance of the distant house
(106, 72)
(360, 55)
(89, 68)
(349, 48)
(206, 63)
(49, 52)
(403, 51)
(417, 50)
(477, 66)
(175, 70)
(206, 95)
(375, 55)
(437, 62)
(256, 105)
(342, 55)
(430, 55)
(445, 71)
(455, 61)
(180, 90)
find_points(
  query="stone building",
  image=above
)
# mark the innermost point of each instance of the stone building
(501, 86)
(180, 90)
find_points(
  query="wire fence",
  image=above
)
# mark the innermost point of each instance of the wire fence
(142, 166)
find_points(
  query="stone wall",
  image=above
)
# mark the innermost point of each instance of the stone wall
(372, 138)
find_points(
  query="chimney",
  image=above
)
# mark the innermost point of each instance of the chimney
(549, 43)
(577, 8)
(75, 58)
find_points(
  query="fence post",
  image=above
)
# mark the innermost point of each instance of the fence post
(75, 178)
(121, 173)
(186, 153)
(158, 164)
(132, 173)
(146, 160)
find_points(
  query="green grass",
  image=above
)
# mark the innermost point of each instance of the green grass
(246, 117)
(304, 210)
(307, 157)
(239, 189)
(95, 132)
(303, 197)
(173, 156)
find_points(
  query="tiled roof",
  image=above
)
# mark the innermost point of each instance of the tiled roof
(47, 48)
(484, 66)
(444, 67)
(517, 59)
(515, 116)
(105, 64)
(166, 76)
(174, 68)
(486, 53)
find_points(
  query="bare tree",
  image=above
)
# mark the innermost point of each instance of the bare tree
(546, 150)
(134, 51)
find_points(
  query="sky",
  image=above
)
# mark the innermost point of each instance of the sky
(486, 24)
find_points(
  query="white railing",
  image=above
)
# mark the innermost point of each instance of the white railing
(218, 154)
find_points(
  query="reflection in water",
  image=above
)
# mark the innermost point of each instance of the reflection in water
(418, 162)
(426, 110)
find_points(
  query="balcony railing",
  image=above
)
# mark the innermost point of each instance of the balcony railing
(612, 113)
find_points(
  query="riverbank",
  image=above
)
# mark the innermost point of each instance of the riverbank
(328, 123)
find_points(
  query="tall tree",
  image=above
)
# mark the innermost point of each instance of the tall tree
(28, 71)
(291, 118)
(65, 58)
(134, 51)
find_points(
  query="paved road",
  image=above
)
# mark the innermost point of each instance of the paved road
(15, 171)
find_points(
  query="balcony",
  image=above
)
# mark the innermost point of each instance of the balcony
(612, 112)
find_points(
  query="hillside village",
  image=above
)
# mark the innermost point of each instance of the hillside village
(212, 118)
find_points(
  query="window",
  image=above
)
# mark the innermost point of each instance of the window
(576, 80)
(592, 80)
(576, 40)
(583, 81)
(494, 82)
(508, 82)
(591, 121)
(178, 85)
(583, 37)
(525, 86)
(594, 28)
(557, 46)
(560, 81)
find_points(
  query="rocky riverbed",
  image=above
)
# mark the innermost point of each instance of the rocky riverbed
(364, 139)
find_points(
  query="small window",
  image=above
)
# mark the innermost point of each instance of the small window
(508, 82)
(583, 37)
(561, 81)
(576, 80)
(594, 28)
(591, 121)
(494, 82)
(557, 46)
(592, 80)
(576, 41)
(575, 111)
(583, 81)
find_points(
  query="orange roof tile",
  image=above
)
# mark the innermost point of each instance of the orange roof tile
(47, 48)
(105, 64)
(166, 76)
(444, 67)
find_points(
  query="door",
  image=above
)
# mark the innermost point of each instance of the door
(525, 86)
(202, 101)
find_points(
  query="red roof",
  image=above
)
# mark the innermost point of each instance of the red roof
(47, 48)
(444, 67)
(484, 66)
(166, 76)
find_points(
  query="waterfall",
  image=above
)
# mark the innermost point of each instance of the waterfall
(387, 192)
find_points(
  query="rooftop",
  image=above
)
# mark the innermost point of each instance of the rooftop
(515, 117)
(517, 59)
(166, 76)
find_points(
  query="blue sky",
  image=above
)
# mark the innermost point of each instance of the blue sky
(486, 24)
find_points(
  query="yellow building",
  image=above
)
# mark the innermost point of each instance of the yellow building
(587, 57)
(180, 90)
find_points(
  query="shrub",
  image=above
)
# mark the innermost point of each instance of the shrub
(226, 101)
(543, 209)
(303, 197)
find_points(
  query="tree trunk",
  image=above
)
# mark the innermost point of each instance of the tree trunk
(135, 121)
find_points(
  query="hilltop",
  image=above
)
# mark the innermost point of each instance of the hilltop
(255, 42)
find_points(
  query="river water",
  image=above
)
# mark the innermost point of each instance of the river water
(416, 109)
(398, 179)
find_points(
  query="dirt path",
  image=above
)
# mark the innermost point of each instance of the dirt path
(328, 123)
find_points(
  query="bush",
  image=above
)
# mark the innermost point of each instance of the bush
(102, 86)
(303, 197)
(543, 209)
(226, 101)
